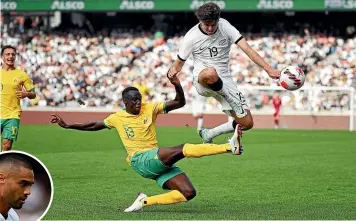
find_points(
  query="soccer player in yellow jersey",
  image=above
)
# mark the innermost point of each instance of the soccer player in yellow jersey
(136, 127)
(142, 88)
(13, 82)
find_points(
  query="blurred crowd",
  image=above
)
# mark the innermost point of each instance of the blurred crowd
(73, 67)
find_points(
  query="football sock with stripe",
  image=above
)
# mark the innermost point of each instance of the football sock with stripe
(200, 150)
(167, 198)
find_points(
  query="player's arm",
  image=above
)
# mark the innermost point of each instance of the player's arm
(257, 59)
(185, 50)
(179, 100)
(176, 67)
(29, 86)
(31, 94)
(89, 126)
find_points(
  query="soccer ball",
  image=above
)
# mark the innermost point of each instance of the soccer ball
(292, 78)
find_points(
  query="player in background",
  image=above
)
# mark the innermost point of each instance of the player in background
(16, 179)
(277, 103)
(210, 42)
(198, 107)
(136, 127)
(143, 89)
(13, 83)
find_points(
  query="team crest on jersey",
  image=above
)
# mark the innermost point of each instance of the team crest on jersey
(146, 120)
(16, 80)
(222, 42)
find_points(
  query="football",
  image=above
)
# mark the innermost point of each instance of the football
(292, 78)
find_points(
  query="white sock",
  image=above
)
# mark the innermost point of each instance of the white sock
(200, 123)
(221, 129)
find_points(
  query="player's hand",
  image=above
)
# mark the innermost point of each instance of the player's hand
(274, 73)
(171, 73)
(58, 120)
(21, 94)
(174, 80)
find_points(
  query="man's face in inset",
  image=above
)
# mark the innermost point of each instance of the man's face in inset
(16, 186)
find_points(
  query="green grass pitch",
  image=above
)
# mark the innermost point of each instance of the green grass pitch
(283, 174)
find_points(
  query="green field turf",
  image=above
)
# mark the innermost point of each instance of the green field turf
(283, 174)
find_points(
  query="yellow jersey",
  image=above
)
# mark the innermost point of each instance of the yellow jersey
(137, 132)
(144, 90)
(12, 81)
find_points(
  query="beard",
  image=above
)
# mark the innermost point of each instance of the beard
(17, 205)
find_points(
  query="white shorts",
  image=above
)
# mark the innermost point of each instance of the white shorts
(198, 105)
(231, 86)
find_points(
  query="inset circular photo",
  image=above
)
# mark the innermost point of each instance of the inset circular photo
(26, 187)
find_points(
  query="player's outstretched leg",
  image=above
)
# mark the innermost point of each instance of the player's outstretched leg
(240, 123)
(209, 78)
(170, 156)
(182, 191)
(209, 134)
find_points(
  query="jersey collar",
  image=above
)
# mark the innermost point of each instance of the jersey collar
(206, 33)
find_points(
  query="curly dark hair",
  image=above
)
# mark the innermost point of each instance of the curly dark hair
(208, 12)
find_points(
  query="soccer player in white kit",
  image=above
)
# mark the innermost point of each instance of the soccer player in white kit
(210, 42)
(198, 107)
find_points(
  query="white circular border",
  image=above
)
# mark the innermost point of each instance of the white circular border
(48, 173)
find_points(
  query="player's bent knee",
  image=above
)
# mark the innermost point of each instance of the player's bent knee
(248, 125)
(189, 193)
(246, 122)
(208, 75)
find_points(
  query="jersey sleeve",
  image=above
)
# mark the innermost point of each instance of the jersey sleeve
(109, 121)
(27, 82)
(233, 34)
(186, 47)
(158, 108)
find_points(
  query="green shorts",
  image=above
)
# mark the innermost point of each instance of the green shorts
(149, 165)
(9, 128)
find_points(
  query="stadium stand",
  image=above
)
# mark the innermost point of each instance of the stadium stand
(68, 65)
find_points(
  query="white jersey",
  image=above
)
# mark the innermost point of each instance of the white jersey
(12, 216)
(210, 50)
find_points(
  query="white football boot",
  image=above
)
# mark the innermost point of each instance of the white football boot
(235, 141)
(203, 133)
(137, 204)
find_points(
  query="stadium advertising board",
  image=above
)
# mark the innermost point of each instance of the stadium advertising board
(181, 5)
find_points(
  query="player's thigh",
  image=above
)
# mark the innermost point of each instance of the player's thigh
(239, 98)
(172, 175)
(10, 129)
(201, 89)
(149, 165)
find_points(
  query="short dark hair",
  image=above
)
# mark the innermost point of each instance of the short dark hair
(14, 160)
(208, 12)
(126, 91)
(7, 47)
